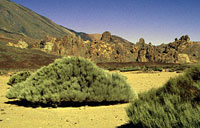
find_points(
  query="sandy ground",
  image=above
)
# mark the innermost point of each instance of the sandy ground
(110, 116)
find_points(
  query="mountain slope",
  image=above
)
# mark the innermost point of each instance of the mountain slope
(18, 21)
(17, 58)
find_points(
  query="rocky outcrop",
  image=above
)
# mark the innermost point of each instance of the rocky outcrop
(106, 37)
(185, 38)
(142, 56)
(165, 53)
(68, 45)
(19, 44)
(115, 49)
(183, 58)
(142, 41)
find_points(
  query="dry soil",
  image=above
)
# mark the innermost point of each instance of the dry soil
(110, 116)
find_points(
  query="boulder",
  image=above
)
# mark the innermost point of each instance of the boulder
(106, 36)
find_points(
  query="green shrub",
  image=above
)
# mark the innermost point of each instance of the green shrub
(157, 69)
(146, 69)
(177, 68)
(151, 68)
(176, 104)
(72, 79)
(18, 77)
(127, 69)
(167, 111)
(111, 68)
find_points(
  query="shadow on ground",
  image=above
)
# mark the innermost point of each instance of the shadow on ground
(64, 104)
(129, 125)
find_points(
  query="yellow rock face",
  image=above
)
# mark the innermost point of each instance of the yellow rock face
(183, 58)
(48, 47)
(20, 44)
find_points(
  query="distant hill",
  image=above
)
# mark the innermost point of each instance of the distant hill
(17, 21)
(96, 36)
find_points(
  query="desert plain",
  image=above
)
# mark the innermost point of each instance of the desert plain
(103, 116)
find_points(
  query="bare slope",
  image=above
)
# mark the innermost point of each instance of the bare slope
(19, 21)
(17, 58)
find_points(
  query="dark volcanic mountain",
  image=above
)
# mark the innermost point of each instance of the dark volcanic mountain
(19, 22)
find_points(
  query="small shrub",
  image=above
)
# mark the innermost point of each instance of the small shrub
(176, 104)
(146, 69)
(178, 68)
(18, 77)
(112, 68)
(72, 79)
(127, 69)
(157, 69)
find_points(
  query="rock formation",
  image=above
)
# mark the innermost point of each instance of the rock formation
(115, 49)
(19, 44)
(106, 37)
(183, 58)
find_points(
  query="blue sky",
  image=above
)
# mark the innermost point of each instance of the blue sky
(157, 21)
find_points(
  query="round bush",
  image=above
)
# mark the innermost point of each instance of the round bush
(72, 79)
(176, 104)
(18, 77)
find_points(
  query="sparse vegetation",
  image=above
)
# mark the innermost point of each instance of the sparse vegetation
(176, 104)
(72, 79)
(17, 58)
(145, 67)
(126, 69)
(152, 68)
(157, 69)
(18, 77)
(177, 68)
